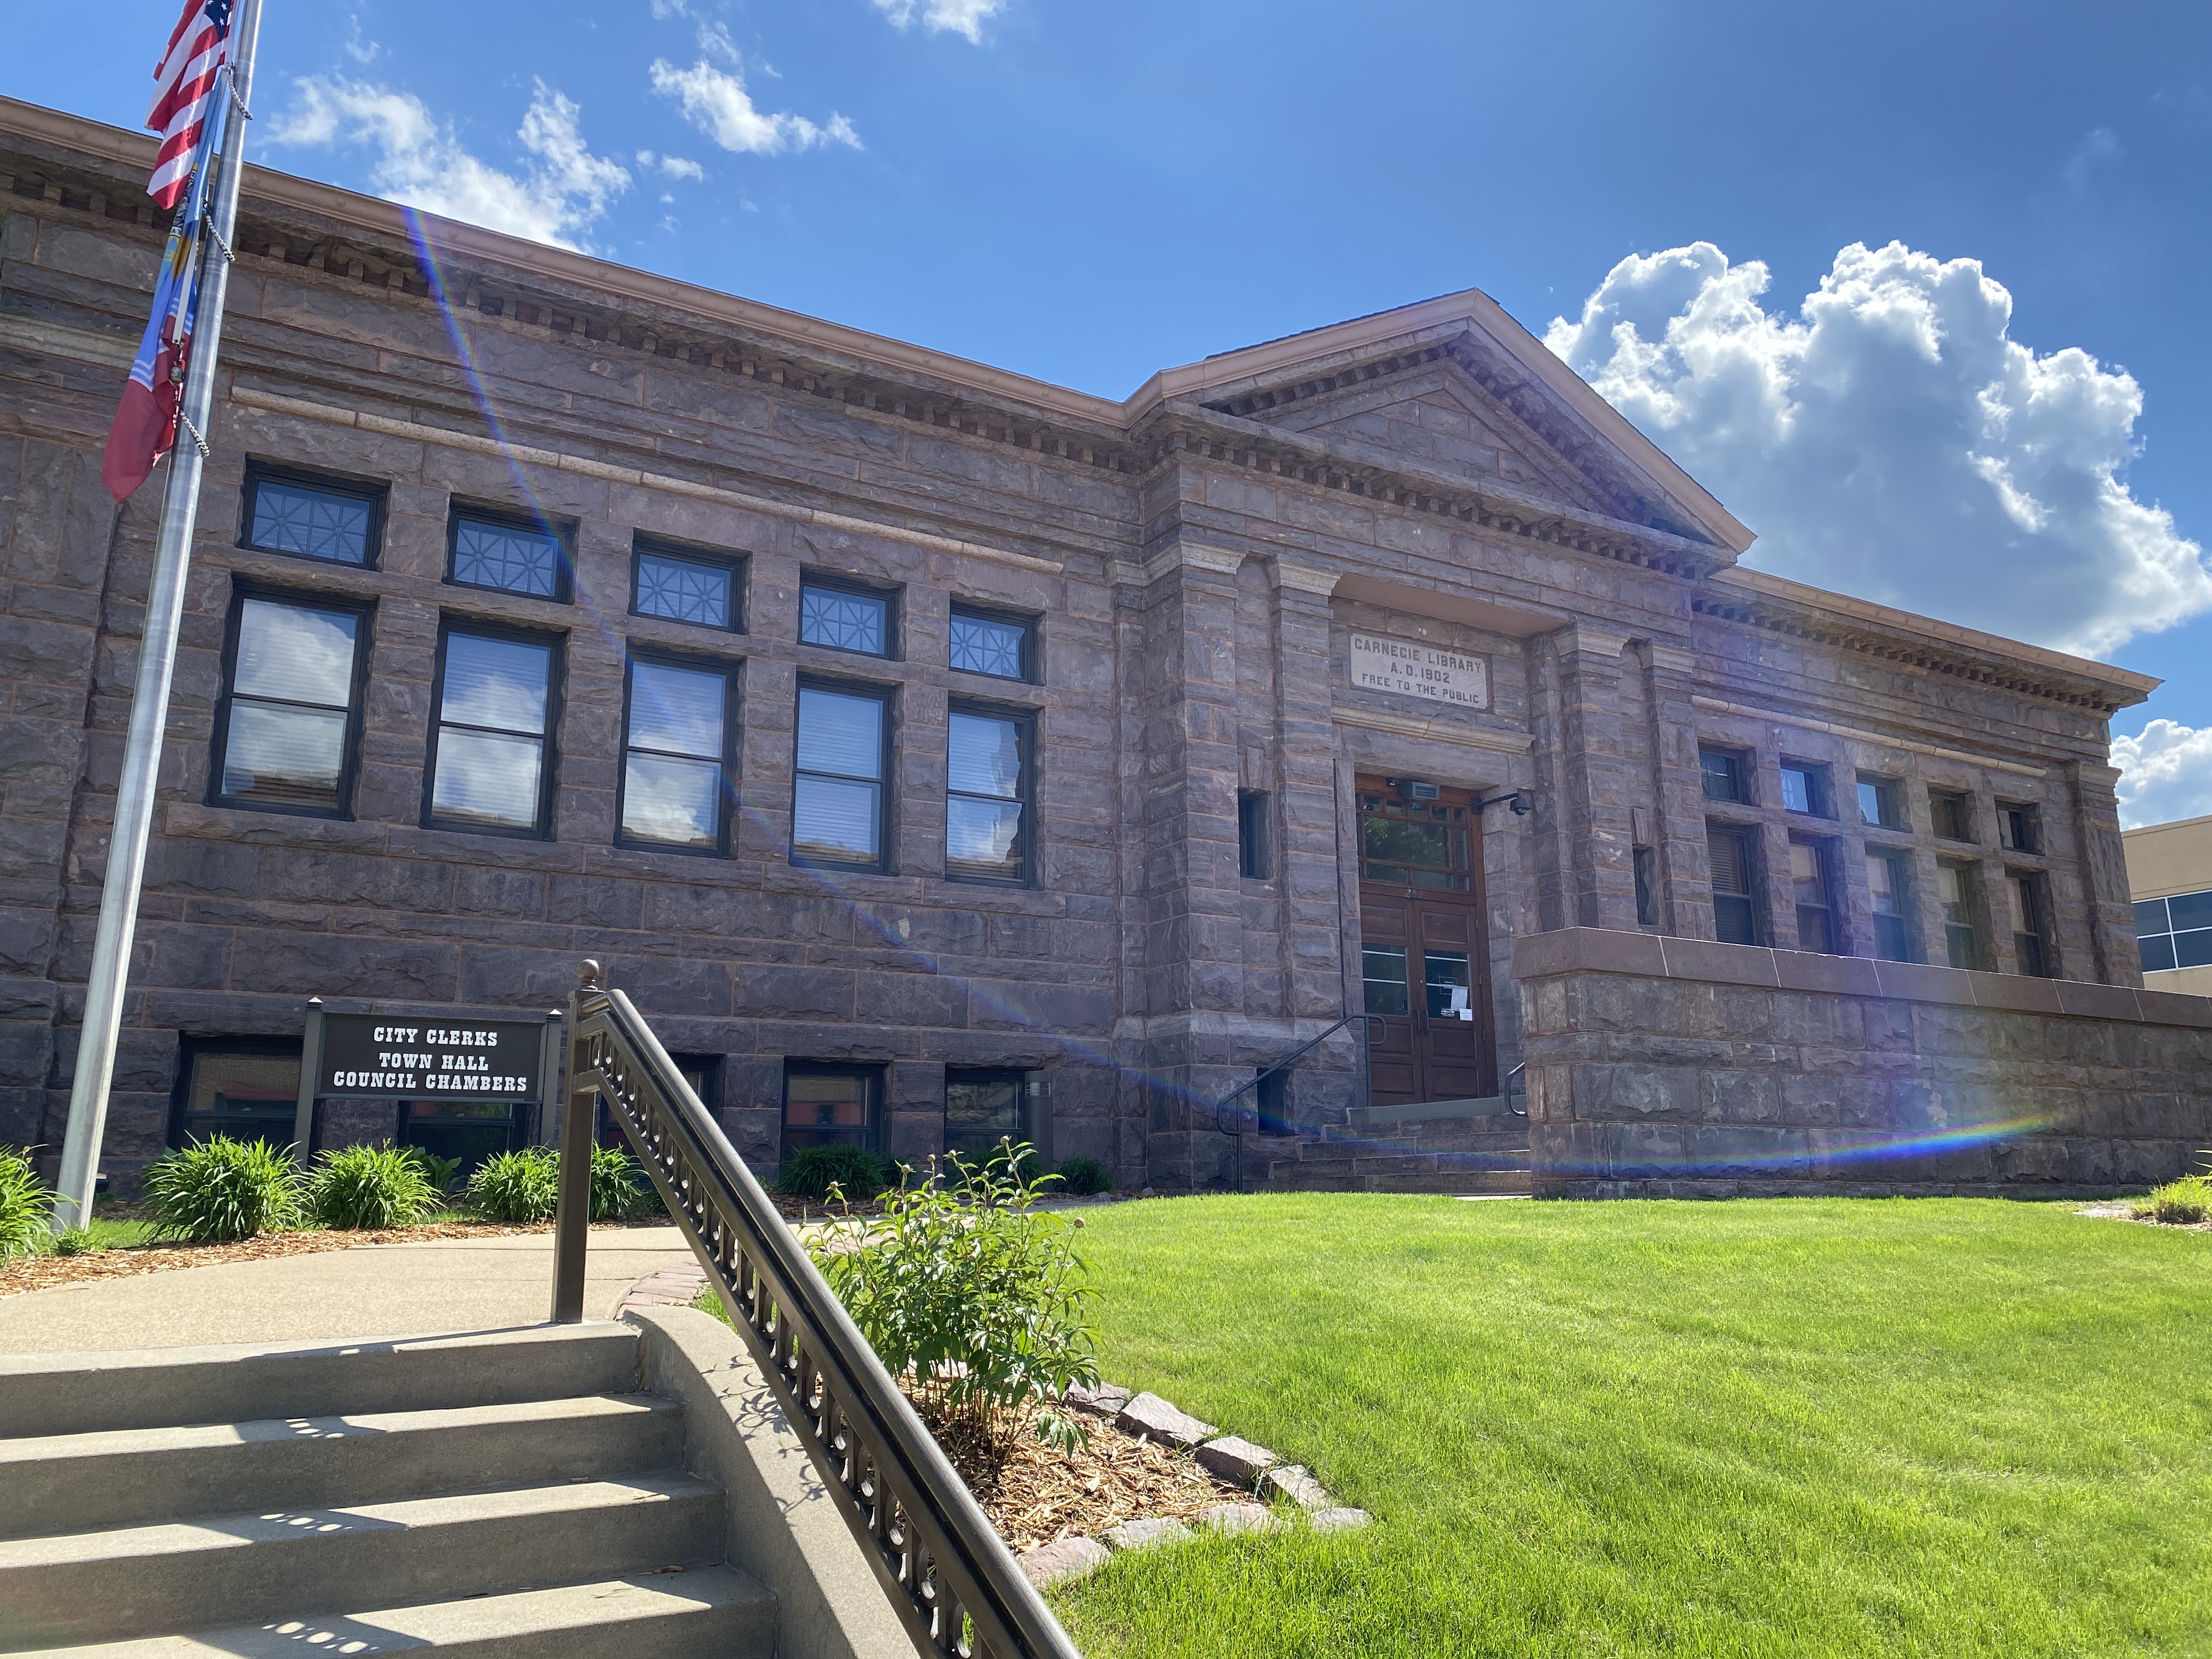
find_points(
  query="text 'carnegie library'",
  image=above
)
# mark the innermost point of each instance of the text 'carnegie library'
(1420, 670)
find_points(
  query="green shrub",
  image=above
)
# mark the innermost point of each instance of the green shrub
(1084, 1176)
(518, 1187)
(619, 1185)
(368, 1187)
(440, 1172)
(2187, 1200)
(76, 1241)
(26, 1203)
(219, 1190)
(964, 1285)
(812, 1171)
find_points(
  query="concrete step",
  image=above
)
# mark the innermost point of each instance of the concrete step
(162, 1388)
(711, 1609)
(78, 1482)
(237, 1568)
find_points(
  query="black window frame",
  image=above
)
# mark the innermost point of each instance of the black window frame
(191, 1047)
(2019, 829)
(1966, 875)
(556, 678)
(955, 1076)
(727, 796)
(1823, 849)
(1819, 797)
(1255, 840)
(1942, 802)
(243, 589)
(377, 495)
(1032, 655)
(858, 588)
(508, 518)
(643, 546)
(1644, 862)
(1901, 887)
(1025, 727)
(1739, 773)
(1747, 837)
(888, 697)
(2032, 954)
(873, 1072)
(1888, 792)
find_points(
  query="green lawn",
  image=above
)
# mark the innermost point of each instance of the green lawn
(1791, 1427)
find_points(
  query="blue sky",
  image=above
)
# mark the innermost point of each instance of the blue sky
(1087, 193)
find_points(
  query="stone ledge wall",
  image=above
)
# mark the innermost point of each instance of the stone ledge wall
(1677, 1067)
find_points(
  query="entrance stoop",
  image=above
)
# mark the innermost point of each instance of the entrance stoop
(519, 1492)
(1460, 1156)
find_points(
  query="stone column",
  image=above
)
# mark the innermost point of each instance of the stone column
(2104, 866)
(1686, 877)
(1590, 815)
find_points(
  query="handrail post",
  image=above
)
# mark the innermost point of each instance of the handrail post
(572, 1220)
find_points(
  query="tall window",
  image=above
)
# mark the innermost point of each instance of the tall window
(290, 718)
(837, 800)
(986, 794)
(1954, 891)
(2024, 890)
(1888, 892)
(981, 643)
(247, 1088)
(1805, 788)
(313, 517)
(490, 760)
(1816, 913)
(1647, 886)
(1252, 860)
(844, 618)
(2016, 828)
(676, 757)
(1736, 914)
(514, 555)
(1721, 771)
(2175, 933)
(981, 1108)
(1882, 803)
(830, 1105)
(1951, 814)
(686, 586)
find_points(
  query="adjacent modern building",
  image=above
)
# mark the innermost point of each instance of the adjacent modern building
(935, 754)
(2170, 878)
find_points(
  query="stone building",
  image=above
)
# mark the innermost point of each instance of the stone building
(932, 752)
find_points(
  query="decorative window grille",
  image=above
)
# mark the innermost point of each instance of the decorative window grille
(285, 515)
(982, 644)
(844, 619)
(513, 557)
(686, 590)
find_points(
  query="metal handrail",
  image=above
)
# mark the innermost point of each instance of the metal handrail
(1222, 1125)
(954, 1585)
(1505, 1088)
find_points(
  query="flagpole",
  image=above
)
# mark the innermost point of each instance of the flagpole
(157, 662)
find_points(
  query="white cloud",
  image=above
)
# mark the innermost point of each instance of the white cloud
(421, 163)
(361, 50)
(2164, 773)
(718, 104)
(714, 41)
(954, 17)
(676, 166)
(1890, 440)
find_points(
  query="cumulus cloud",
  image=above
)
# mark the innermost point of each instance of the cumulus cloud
(2164, 773)
(951, 16)
(716, 102)
(1890, 440)
(420, 161)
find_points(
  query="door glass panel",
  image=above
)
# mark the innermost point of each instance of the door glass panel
(1448, 993)
(1415, 843)
(1382, 973)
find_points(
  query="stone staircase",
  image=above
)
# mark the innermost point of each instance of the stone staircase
(1466, 1157)
(516, 1491)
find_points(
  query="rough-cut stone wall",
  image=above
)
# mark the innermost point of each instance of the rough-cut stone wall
(1677, 1067)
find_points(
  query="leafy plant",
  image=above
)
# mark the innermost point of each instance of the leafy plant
(966, 1287)
(2187, 1200)
(368, 1187)
(814, 1171)
(76, 1241)
(518, 1187)
(26, 1203)
(619, 1186)
(219, 1190)
(440, 1172)
(1083, 1176)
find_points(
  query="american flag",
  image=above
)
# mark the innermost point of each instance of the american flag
(184, 90)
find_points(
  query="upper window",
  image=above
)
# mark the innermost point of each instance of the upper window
(984, 644)
(844, 618)
(987, 796)
(514, 555)
(1805, 788)
(490, 760)
(2175, 933)
(2025, 889)
(676, 757)
(837, 796)
(247, 1088)
(687, 587)
(1721, 771)
(1888, 890)
(1882, 804)
(290, 719)
(2016, 828)
(1252, 860)
(1736, 914)
(316, 519)
(1954, 891)
(1951, 814)
(1645, 860)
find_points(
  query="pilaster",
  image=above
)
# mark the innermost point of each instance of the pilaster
(1597, 873)
(2104, 866)
(1685, 878)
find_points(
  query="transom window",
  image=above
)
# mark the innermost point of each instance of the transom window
(685, 586)
(515, 555)
(1951, 814)
(844, 618)
(675, 756)
(1721, 774)
(490, 763)
(1805, 788)
(837, 799)
(290, 719)
(987, 793)
(984, 644)
(1882, 804)
(2175, 933)
(289, 513)
(1414, 843)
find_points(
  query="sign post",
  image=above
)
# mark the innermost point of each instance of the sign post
(311, 1068)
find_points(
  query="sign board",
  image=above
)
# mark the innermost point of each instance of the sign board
(1420, 670)
(411, 1057)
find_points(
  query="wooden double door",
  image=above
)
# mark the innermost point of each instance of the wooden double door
(1423, 945)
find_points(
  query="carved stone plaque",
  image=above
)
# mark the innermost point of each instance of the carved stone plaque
(1409, 670)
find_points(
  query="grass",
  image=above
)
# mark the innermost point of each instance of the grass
(1789, 1428)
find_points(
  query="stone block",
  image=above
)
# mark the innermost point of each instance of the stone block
(1239, 1517)
(2175, 1008)
(1587, 949)
(2097, 1001)
(1636, 1093)
(1105, 1401)
(1155, 1418)
(1067, 1559)
(1812, 970)
(1144, 1534)
(1717, 963)
(1295, 1482)
(1742, 1097)
(2019, 992)
(1236, 1460)
(1917, 981)
(1340, 1519)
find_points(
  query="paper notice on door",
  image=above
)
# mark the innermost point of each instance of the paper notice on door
(1459, 1010)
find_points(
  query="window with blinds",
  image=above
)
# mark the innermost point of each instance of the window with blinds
(490, 761)
(676, 757)
(1954, 892)
(1736, 913)
(986, 796)
(1889, 894)
(837, 796)
(1816, 913)
(290, 723)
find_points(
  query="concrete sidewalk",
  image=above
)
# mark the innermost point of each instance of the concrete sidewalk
(447, 1286)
